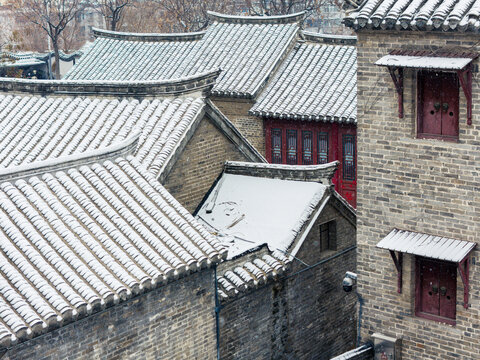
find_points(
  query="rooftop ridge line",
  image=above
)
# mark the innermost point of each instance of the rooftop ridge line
(148, 37)
(239, 19)
(121, 148)
(329, 38)
(203, 81)
(322, 173)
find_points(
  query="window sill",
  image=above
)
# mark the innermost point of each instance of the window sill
(438, 137)
(436, 318)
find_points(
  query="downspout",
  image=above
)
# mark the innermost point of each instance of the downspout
(360, 312)
(218, 307)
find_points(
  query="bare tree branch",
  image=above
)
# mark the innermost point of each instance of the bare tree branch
(112, 10)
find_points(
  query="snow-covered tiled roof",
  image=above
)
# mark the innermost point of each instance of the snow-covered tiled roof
(317, 82)
(251, 274)
(36, 128)
(75, 241)
(251, 209)
(453, 15)
(247, 49)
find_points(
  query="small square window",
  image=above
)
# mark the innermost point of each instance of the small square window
(438, 104)
(328, 236)
(436, 290)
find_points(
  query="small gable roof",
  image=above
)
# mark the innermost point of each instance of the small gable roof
(246, 49)
(456, 15)
(256, 204)
(317, 82)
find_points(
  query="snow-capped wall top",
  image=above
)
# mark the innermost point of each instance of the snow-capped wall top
(316, 82)
(76, 241)
(247, 52)
(443, 15)
(40, 128)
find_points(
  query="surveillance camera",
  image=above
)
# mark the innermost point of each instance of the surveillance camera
(348, 281)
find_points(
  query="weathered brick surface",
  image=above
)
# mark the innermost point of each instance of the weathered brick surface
(428, 186)
(200, 164)
(306, 316)
(172, 322)
(250, 126)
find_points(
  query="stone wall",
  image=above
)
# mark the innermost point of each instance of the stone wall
(176, 321)
(304, 315)
(250, 126)
(429, 186)
(200, 163)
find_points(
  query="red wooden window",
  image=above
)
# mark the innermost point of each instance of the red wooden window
(438, 103)
(277, 146)
(436, 290)
(307, 148)
(348, 161)
(322, 151)
(292, 147)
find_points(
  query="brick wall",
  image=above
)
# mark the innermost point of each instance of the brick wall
(307, 316)
(250, 126)
(428, 186)
(172, 322)
(200, 164)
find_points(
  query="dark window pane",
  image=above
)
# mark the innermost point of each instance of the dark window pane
(348, 144)
(322, 147)
(292, 147)
(276, 146)
(307, 148)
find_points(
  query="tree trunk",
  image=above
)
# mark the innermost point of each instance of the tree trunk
(57, 59)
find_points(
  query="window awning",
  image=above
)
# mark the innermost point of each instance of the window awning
(434, 247)
(430, 246)
(424, 62)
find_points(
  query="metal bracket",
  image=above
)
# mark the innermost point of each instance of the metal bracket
(398, 261)
(467, 89)
(463, 269)
(398, 82)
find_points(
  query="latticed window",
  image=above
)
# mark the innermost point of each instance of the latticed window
(292, 147)
(348, 144)
(322, 144)
(307, 148)
(277, 146)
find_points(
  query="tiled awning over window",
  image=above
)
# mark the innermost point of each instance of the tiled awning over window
(424, 62)
(435, 247)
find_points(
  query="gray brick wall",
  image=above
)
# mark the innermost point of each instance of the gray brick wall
(307, 316)
(172, 322)
(428, 186)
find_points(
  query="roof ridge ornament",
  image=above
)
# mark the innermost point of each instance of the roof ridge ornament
(239, 19)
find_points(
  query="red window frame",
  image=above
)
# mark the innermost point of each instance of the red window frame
(435, 290)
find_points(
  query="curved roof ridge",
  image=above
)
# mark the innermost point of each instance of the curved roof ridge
(148, 37)
(121, 148)
(277, 19)
(330, 38)
(179, 85)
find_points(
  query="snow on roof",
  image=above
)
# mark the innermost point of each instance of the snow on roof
(246, 51)
(424, 62)
(251, 274)
(317, 82)
(75, 241)
(456, 15)
(248, 211)
(435, 247)
(38, 128)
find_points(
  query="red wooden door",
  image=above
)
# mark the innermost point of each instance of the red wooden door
(436, 289)
(347, 173)
(438, 105)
